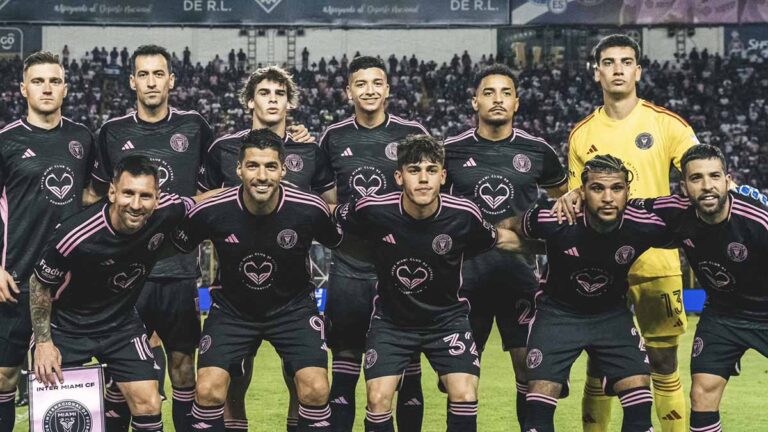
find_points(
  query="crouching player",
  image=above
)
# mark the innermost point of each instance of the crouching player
(418, 239)
(262, 232)
(725, 238)
(95, 265)
(583, 305)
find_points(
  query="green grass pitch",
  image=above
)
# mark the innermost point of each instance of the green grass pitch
(744, 407)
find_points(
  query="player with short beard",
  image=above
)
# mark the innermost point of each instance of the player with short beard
(46, 162)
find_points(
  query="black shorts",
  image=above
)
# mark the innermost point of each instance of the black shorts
(126, 352)
(557, 337)
(15, 331)
(449, 349)
(721, 341)
(502, 287)
(171, 308)
(229, 341)
(349, 304)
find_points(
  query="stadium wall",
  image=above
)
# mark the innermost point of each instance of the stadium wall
(432, 44)
(659, 45)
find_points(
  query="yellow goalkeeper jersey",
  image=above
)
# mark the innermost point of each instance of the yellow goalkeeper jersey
(650, 140)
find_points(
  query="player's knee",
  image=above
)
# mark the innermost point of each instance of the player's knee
(144, 402)
(662, 360)
(210, 391)
(632, 382)
(313, 390)
(9, 378)
(181, 369)
(379, 400)
(705, 393)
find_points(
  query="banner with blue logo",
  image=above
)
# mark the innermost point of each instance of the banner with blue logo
(76, 405)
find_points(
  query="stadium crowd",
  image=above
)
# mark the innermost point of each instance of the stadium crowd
(724, 99)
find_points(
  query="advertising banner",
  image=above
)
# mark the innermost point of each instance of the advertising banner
(76, 405)
(746, 41)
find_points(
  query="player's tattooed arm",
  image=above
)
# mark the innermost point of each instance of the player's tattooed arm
(509, 241)
(567, 206)
(40, 310)
(202, 196)
(300, 134)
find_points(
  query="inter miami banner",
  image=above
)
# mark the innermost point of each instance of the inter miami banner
(268, 12)
(76, 405)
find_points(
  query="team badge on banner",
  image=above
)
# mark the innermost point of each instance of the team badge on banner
(74, 406)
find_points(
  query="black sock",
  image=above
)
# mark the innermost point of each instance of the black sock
(291, 424)
(462, 416)
(7, 411)
(233, 425)
(637, 409)
(342, 398)
(705, 421)
(522, 390)
(182, 406)
(541, 413)
(314, 418)
(410, 400)
(160, 363)
(379, 422)
(207, 418)
(147, 423)
(117, 415)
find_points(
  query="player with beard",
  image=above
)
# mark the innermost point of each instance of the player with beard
(45, 161)
(418, 239)
(268, 94)
(363, 155)
(501, 169)
(85, 285)
(583, 306)
(725, 238)
(262, 232)
(650, 140)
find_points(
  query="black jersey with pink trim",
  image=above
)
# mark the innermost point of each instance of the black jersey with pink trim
(728, 258)
(306, 166)
(95, 273)
(42, 175)
(262, 259)
(587, 270)
(501, 177)
(177, 144)
(418, 262)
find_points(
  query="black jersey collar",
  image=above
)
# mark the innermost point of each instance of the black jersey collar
(478, 138)
(281, 201)
(384, 124)
(34, 128)
(167, 118)
(428, 218)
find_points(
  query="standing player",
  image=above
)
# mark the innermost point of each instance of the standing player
(725, 238)
(419, 239)
(262, 232)
(650, 140)
(501, 169)
(363, 155)
(584, 304)
(176, 141)
(85, 285)
(44, 164)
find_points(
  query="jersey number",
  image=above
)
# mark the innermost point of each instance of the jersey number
(676, 308)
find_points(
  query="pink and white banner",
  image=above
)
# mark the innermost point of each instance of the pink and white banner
(76, 405)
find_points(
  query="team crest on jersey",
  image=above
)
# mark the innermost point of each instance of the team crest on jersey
(127, 279)
(294, 163)
(644, 141)
(205, 343)
(155, 241)
(257, 270)
(370, 358)
(56, 183)
(67, 416)
(367, 181)
(625, 254)
(716, 276)
(287, 238)
(391, 151)
(591, 282)
(76, 149)
(496, 192)
(521, 163)
(534, 359)
(698, 347)
(179, 142)
(737, 252)
(442, 244)
(412, 274)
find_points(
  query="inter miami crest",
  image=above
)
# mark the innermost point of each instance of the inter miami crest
(67, 416)
(644, 141)
(76, 149)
